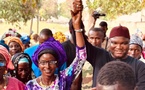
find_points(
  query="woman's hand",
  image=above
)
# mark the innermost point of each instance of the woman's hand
(76, 13)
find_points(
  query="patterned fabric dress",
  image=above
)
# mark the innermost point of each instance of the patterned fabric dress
(65, 78)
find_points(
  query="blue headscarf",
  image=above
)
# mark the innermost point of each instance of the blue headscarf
(51, 44)
(25, 39)
(2, 42)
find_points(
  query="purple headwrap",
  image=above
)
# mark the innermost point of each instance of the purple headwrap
(51, 44)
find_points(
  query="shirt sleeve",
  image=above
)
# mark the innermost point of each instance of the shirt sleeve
(70, 73)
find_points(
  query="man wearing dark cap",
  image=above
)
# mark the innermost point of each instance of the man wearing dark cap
(118, 48)
(119, 45)
(119, 42)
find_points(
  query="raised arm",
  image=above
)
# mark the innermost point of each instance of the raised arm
(76, 14)
(94, 19)
(76, 66)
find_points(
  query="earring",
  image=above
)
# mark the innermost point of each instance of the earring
(5, 72)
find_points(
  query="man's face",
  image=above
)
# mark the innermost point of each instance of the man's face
(95, 38)
(134, 51)
(42, 38)
(119, 47)
(104, 28)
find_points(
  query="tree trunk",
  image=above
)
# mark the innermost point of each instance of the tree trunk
(31, 31)
(37, 24)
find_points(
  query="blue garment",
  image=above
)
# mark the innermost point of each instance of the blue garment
(30, 51)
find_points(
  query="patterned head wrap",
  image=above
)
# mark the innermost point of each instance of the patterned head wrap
(11, 32)
(4, 52)
(15, 39)
(51, 44)
(25, 39)
(136, 40)
(18, 58)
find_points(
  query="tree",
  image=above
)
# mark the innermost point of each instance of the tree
(142, 3)
(114, 8)
(14, 11)
(64, 9)
(48, 9)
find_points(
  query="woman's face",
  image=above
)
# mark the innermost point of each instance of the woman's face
(14, 47)
(135, 51)
(2, 66)
(23, 71)
(47, 64)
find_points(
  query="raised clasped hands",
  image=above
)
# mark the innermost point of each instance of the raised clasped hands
(76, 13)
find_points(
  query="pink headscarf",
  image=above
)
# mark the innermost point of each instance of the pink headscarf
(4, 52)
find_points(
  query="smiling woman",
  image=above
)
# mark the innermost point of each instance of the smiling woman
(22, 63)
(15, 45)
(50, 55)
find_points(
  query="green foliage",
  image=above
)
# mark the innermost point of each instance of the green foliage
(49, 8)
(64, 9)
(14, 11)
(143, 3)
(114, 8)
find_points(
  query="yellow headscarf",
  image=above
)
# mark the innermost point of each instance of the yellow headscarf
(15, 39)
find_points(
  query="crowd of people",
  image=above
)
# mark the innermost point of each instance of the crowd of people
(83, 62)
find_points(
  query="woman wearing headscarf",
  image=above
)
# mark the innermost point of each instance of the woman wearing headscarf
(136, 47)
(22, 64)
(51, 55)
(26, 41)
(10, 33)
(2, 42)
(8, 83)
(15, 45)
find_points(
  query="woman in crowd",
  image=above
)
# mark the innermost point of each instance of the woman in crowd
(26, 41)
(34, 39)
(22, 64)
(143, 52)
(136, 47)
(15, 45)
(2, 42)
(11, 33)
(50, 55)
(8, 83)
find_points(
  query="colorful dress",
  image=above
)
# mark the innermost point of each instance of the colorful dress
(65, 78)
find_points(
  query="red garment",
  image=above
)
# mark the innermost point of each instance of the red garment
(15, 84)
(7, 57)
(143, 54)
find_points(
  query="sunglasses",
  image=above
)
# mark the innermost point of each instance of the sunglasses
(52, 62)
(2, 64)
